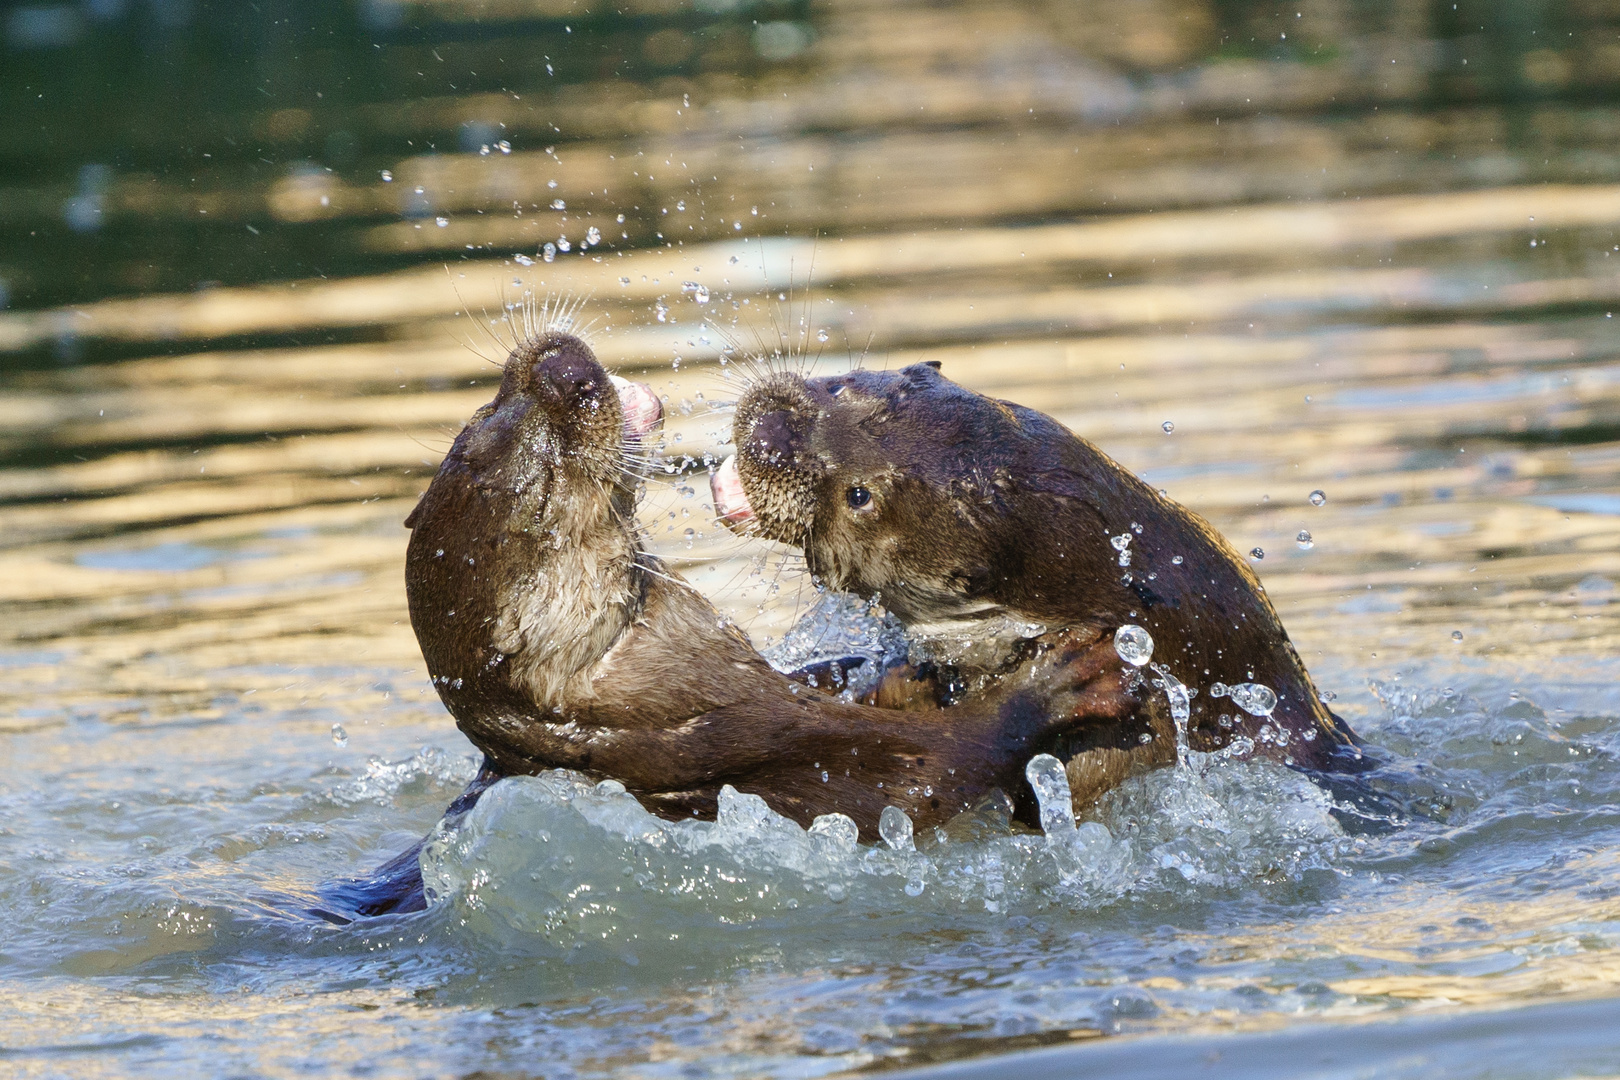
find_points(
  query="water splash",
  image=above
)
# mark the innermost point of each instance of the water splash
(1049, 779)
(842, 626)
(1180, 699)
(556, 866)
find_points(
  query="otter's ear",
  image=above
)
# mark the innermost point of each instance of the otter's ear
(926, 369)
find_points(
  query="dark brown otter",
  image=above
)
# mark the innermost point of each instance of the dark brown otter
(960, 511)
(556, 641)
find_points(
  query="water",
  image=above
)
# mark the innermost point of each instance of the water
(220, 395)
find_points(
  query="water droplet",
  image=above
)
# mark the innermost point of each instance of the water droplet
(387, 177)
(1046, 775)
(1256, 699)
(1168, 427)
(562, 243)
(662, 311)
(441, 221)
(1304, 540)
(549, 253)
(1257, 553)
(1177, 560)
(1180, 707)
(1217, 690)
(1456, 635)
(339, 736)
(624, 281)
(895, 828)
(558, 204)
(680, 204)
(593, 236)
(1318, 497)
(1134, 645)
(821, 335)
(734, 260)
(523, 260)
(837, 828)
(700, 293)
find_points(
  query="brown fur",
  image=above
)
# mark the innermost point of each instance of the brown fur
(976, 508)
(556, 641)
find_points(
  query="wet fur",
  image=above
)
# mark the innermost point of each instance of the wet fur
(556, 641)
(980, 507)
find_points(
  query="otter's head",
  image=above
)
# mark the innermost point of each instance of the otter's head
(889, 481)
(558, 417)
(520, 568)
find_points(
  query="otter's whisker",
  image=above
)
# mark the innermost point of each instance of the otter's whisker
(466, 312)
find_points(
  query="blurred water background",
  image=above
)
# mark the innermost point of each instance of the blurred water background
(254, 263)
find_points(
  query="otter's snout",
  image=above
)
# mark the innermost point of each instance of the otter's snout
(769, 485)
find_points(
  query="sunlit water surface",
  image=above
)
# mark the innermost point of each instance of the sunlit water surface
(212, 704)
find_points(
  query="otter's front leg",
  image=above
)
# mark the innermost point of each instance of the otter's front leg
(1100, 757)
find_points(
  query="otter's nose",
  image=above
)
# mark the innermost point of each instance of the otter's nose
(772, 439)
(572, 377)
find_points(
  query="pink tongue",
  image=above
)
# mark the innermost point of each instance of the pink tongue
(642, 409)
(730, 500)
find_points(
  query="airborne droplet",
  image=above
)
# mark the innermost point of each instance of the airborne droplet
(339, 736)
(1256, 699)
(1046, 775)
(895, 828)
(1134, 645)
(1304, 540)
(1168, 427)
(1318, 497)
(1257, 553)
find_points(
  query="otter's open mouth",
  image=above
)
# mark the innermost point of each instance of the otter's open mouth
(730, 500)
(642, 410)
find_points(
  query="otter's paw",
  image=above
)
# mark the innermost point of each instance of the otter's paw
(1089, 680)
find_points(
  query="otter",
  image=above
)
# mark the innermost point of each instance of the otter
(556, 641)
(968, 516)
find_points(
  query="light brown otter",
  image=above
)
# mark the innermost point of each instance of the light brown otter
(556, 641)
(961, 512)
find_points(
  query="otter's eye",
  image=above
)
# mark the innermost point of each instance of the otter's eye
(858, 497)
